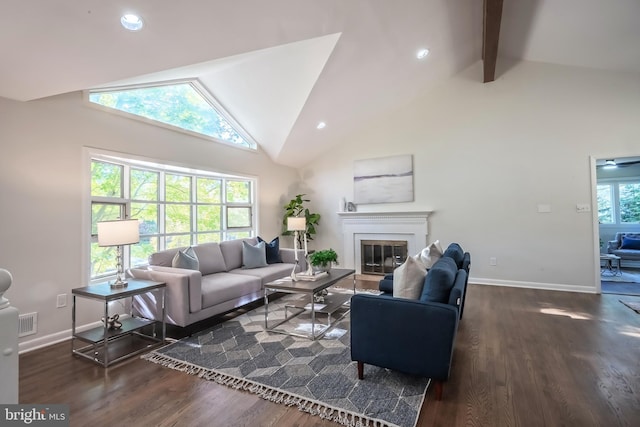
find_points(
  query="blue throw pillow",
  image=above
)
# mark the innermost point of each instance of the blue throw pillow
(253, 256)
(273, 250)
(455, 252)
(630, 243)
(186, 259)
(439, 281)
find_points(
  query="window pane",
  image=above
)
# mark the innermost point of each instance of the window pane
(147, 213)
(238, 192)
(144, 185)
(630, 202)
(207, 237)
(103, 260)
(238, 235)
(605, 204)
(178, 219)
(209, 218)
(177, 241)
(179, 105)
(177, 188)
(104, 212)
(208, 190)
(106, 179)
(141, 251)
(238, 217)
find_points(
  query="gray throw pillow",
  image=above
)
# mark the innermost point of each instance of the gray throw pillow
(254, 256)
(186, 259)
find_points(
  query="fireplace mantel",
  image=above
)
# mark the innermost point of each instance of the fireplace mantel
(358, 226)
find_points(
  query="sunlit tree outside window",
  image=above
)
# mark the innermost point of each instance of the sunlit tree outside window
(181, 105)
(175, 209)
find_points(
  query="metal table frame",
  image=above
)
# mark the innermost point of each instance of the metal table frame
(100, 337)
(311, 289)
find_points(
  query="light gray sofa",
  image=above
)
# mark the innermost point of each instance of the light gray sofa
(616, 246)
(220, 284)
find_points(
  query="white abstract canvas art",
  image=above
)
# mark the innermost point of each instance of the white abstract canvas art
(383, 180)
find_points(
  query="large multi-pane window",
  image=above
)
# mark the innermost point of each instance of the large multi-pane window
(185, 106)
(175, 208)
(619, 202)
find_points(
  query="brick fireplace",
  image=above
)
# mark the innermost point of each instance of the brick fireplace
(409, 227)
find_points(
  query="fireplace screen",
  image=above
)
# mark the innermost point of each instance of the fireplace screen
(382, 256)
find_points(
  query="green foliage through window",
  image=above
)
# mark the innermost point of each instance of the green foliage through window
(181, 105)
(618, 202)
(190, 210)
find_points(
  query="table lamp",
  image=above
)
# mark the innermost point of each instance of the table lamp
(118, 233)
(297, 224)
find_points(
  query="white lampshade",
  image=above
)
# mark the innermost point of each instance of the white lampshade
(120, 232)
(295, 223)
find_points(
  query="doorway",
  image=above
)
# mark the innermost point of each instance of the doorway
(618, 203)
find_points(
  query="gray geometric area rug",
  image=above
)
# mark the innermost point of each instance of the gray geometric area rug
(633, 305)
(316, 376)
(625, 275)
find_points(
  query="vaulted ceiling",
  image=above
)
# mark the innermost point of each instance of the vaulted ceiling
(282, 66)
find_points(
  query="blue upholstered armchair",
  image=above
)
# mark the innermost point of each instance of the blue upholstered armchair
(412, 336)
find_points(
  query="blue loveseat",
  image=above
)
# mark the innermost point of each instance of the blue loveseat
(412, 336)
(625, 245)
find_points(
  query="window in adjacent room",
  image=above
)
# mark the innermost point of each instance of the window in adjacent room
(176, 207)
(183, 105)
(619, 202)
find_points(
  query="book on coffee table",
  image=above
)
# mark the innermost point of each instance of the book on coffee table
(311, 277)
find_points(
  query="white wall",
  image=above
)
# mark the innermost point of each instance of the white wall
(486, 155)
(41, 194)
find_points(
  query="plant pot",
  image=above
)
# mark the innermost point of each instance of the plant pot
(323, 268)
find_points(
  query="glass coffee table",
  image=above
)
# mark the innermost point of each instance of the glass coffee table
(312, 301)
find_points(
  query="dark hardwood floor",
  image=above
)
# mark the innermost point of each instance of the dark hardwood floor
(523, 358)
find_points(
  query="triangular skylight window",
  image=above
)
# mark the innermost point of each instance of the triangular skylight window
(182, 105)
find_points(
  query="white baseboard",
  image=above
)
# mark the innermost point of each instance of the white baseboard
(58, 337)
(534, 285)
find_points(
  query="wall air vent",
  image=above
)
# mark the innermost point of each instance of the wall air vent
(28, 324)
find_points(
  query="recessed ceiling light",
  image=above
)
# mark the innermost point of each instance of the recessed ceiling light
(321, 125)
(131, 22)
(422, 53)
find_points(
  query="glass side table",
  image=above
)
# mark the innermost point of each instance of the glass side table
(106, 346)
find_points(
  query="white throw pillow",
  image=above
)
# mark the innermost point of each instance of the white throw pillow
(431, 254)
(408, 279)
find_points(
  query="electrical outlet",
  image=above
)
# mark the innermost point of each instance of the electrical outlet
(493, 261)
(61, 301)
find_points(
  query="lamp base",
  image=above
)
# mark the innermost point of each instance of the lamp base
(119, 284)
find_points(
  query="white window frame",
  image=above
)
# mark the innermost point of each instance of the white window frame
(198, 87)
(615, 194)
(136, 162)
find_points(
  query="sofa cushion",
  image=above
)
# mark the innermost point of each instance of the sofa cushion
(222, 287)
(273, 250)
(164, 258)
(455, 252)
(439, 281)
(232, 252)
(254, 256)
(186, 258)
(267, 274)
(210, 257)
(630, 243)
(408, 279)
(431, 254)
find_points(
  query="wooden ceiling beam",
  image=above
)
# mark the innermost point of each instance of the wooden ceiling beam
(490, 36)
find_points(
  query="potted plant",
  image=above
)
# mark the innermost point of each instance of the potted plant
(322, 260)
(295, 207)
